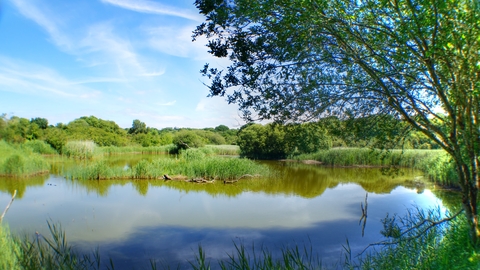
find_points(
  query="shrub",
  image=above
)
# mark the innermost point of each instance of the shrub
(40, 147)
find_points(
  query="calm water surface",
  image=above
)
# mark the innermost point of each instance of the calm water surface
(134, 221)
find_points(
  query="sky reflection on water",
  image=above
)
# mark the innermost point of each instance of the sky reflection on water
(169, 222)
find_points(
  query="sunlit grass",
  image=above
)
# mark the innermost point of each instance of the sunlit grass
(227, 150)
(40, 147)
(16, 161)
(79, 149)
(192, 163)
(114, 150)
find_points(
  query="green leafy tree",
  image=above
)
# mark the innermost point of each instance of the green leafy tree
(306, 138)
(138, 127)
(221, 128)
(185, 139)
(41, 122)
(299, 60)
(56, 137)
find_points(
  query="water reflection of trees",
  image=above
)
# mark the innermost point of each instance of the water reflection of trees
(9, 185)
(294, 179)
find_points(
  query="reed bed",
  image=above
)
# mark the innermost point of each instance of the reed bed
(44, 252)
(192, 163)
(80, 149)
(434, 163)
(115, 150)
(225, 149)
(16, 161)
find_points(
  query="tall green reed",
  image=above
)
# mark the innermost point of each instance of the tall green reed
(43, 252)
(192, 163)
(115, 150)
(79, 149)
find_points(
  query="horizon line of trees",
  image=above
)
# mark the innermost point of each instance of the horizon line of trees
(268, 141)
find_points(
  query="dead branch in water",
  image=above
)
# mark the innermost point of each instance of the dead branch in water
(8, 206)
(364, 215)
(200, 180)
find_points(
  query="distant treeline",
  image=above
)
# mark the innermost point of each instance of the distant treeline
(108, 133)
(268, 141)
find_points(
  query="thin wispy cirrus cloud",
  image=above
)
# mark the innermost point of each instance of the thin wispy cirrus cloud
(119, 60)
(155, 8)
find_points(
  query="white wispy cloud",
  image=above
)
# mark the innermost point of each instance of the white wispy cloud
(170, 103)
(153, 74)
(177, 41)
(97, 44)
(27, 78)
(151, 7)
(101, 42)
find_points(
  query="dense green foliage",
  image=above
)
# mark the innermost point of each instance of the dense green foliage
(107, 133)
(274, 141)
(270, 141)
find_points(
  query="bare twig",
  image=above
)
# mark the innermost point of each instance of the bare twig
(8, 206)
(432, 223)
(364, 215)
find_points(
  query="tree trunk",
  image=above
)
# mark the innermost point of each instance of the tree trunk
(469, 200)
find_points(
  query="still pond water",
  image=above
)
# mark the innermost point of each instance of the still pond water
(135, 221)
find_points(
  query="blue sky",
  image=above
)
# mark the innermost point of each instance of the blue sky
(118, 60)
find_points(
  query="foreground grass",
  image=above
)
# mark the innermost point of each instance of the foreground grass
(444, 246)
(18, 161)
(434, 163)
(192, 163)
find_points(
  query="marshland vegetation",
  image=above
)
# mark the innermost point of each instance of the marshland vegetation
(66, 150)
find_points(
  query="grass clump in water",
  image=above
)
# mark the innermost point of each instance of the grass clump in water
(79, 149)
(191, 163)
(16, 161)
(224, 149)
(114, 150)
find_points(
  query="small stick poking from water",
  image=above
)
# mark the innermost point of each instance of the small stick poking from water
(364, 215)
(8, 206)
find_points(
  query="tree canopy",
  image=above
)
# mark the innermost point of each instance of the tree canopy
(296, 60)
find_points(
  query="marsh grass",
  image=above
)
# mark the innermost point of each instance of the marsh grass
(16, 161)
(444, 246)
(39, 252)
(434, 163)
(80, 149)
(115, 150)
(225, 150)
(192, 163)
